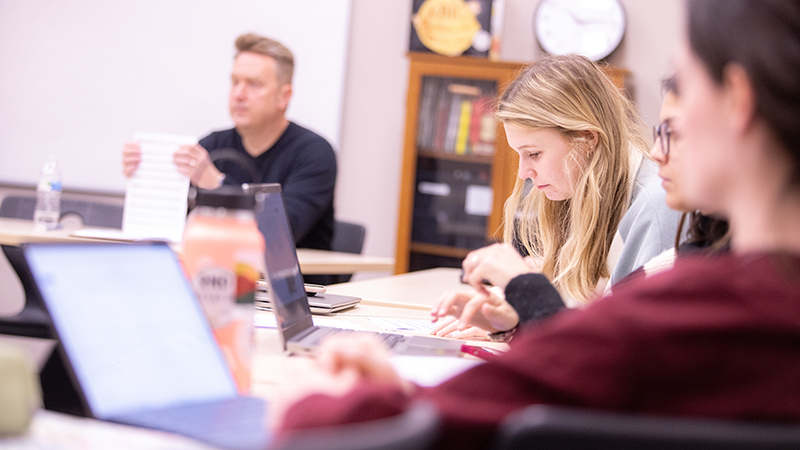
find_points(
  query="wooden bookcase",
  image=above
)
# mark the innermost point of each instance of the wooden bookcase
(455, 180)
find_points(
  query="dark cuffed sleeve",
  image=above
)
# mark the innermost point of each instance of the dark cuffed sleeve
(534, 297)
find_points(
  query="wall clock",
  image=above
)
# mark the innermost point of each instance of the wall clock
(592, 28)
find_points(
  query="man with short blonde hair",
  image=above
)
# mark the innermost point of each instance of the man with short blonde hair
(284, 60)
(264, 146)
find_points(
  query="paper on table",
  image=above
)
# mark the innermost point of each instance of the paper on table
(431, 370)
(156, 196)
(267, 320)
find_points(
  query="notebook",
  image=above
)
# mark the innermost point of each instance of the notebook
(137, 344)
(290, 301)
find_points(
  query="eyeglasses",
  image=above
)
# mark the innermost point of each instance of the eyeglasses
(662, 133)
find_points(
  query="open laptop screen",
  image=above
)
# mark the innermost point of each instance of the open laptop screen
(135, 335)
(287, 291)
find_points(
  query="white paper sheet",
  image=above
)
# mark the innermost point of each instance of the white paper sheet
(431, 370)
(156, 196)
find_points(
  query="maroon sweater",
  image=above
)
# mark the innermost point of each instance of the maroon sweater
(715, 338)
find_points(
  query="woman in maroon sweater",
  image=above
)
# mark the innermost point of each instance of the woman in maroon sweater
(714, 337)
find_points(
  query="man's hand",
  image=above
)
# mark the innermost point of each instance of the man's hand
(191, 160)
(194, 162)
(131, 157)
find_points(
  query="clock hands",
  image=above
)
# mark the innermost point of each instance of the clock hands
(581, 21)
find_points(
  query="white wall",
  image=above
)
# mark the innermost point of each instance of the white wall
(78, 78)
(375, 90)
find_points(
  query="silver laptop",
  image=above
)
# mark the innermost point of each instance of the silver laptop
(319, 301)
(137, 344)
(290, 301)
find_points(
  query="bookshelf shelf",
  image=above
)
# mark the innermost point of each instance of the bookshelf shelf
(457, 169)
(478, 159)
(439, 250)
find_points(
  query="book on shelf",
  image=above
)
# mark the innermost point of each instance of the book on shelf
(457, 27)
(453, 116)
(456, 117)
(483, 127)
(426, 117)
(464, 119)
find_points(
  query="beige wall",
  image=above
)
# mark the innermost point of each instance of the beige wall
(374, 102)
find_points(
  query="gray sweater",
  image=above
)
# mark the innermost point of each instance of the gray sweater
(649, 226)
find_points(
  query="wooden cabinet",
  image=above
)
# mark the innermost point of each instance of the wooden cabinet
(457, 169)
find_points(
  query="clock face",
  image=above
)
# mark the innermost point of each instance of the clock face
(592, 28)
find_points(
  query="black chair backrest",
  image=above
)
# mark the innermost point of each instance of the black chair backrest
(93, 214)
(348, 237)
(562, 428)
(416, 429)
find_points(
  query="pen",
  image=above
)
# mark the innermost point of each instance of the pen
(461, 279)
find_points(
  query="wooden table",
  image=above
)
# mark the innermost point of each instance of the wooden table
(413, 290)
(17, 231)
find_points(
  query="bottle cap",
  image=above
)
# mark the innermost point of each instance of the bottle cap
(231, 197)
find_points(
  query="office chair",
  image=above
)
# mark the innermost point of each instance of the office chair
(563, 428)
(348, 237)
(416, 429)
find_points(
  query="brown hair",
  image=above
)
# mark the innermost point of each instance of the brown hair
(767, 46)
(284, 60)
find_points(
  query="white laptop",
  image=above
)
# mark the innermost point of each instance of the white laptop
(137, 344)
(290, 301)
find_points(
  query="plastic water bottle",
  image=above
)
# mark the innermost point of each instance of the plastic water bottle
(48, 196)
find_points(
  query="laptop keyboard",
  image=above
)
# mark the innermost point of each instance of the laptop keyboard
(397, 324)
(207, 422)
(321, 334)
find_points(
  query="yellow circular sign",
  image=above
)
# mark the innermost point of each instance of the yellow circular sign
(446, 26)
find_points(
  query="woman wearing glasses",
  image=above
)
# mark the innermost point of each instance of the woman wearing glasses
(707, 233)
(584, 177)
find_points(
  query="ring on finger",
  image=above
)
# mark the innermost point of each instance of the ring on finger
(192, 162)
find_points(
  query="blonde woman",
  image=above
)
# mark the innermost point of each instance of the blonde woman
(584, 177)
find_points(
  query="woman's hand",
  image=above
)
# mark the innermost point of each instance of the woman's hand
(340, 365)
(486, 310)
(496, 265)
(448, 327)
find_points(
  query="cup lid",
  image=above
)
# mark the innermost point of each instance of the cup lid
(232, 197)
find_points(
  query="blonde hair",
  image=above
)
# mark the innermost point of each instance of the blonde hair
(572, 238)
(284, 60)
